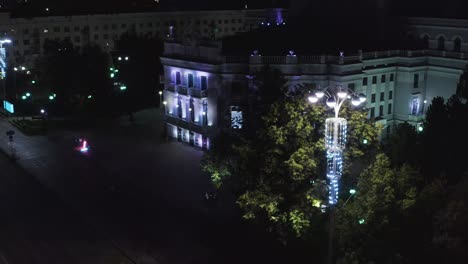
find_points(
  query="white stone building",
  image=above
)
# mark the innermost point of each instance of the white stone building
(201, 82)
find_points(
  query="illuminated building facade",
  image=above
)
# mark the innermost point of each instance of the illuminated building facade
(399, 84)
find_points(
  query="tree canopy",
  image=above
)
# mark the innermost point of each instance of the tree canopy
(276, 167)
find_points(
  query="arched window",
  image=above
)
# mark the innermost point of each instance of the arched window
(426, 41)
(457, 45)
(441, 43)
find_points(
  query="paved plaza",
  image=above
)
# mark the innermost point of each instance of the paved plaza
(139, 194)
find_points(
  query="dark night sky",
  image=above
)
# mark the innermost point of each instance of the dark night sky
(438, 8)
(167, 4)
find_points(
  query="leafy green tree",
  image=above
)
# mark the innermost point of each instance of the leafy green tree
(444, 139)
(403, 145)
(73, 74)
(462, 86)
(369, 225)
(450, 233)
(276, 168)
(140, 74)
(435, 138)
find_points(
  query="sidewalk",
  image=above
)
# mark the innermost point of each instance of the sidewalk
(139, 191)
(49, 166)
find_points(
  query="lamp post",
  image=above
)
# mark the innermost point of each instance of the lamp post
(160, 99)
(335, 140)
(16, 70)
(3, 65)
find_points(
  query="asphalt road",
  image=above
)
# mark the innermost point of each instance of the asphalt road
(37, 227)
(134, 196)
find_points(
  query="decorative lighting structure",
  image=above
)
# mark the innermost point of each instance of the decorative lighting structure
(335, 133)
(3, 64)
(335, 141)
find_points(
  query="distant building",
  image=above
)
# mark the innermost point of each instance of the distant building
(202, 94)
(29, 34)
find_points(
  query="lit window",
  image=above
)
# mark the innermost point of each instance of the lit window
(415, 106)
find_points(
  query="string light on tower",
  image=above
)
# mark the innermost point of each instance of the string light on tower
(335, 142)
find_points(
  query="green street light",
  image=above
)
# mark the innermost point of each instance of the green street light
(55, 95)
(33, 82)
(23, 97)
(365, 141)
(90, 96)
(420, 129)
(112, 75)
(123, 88)
(361, 221)
(28, 94)
(111, 69)
(51, 97)
(352, 191)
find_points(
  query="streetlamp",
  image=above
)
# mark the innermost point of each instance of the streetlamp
(335, 141)
(351, 193)
(17, 70)
(160, 99)
(3, 65)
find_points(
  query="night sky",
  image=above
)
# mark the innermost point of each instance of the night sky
(165, 4)
(331, 8)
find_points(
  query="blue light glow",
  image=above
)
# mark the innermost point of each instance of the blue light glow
(8, 107)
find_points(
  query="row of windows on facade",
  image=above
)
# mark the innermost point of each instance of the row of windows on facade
(383, 79)
(77, 39)
(202, 116)
(26, 31)
(441, 43)
(106, 36)
(191, 80)
(382, 96)
(381, 111)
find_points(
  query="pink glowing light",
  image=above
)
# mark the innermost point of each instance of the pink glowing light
(84, 148)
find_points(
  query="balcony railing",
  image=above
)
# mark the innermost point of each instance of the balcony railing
(416, 118)
(181, 89)
(350, 58)
(182, 122)
(197, 93)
